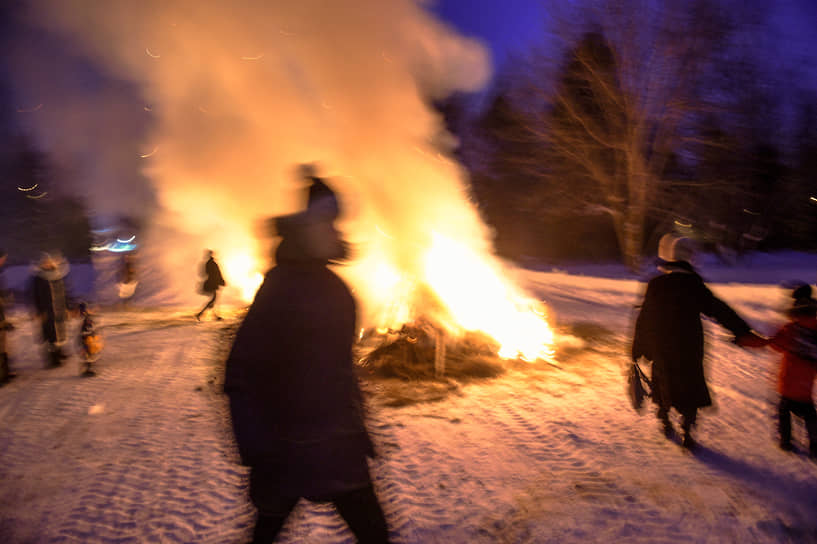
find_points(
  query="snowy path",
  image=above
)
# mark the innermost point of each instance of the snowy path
(142, 453)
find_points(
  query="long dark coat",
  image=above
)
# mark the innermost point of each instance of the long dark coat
(213, 279)
(669, 333)
(50, 301)
(294, 398)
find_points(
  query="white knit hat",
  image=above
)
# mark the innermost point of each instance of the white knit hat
(675, 248)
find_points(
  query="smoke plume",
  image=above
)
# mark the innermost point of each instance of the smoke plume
(233, 95)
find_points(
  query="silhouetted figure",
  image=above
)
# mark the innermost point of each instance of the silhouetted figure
(797, 340)
(5, 371)
(50, 305)
(296, 406)
(669, 333)
(127, 279)
(90, 341)
(213, 281)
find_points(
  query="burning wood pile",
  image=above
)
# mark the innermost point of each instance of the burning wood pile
(422, 351)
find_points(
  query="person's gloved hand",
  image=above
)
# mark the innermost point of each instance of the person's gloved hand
(751, 340)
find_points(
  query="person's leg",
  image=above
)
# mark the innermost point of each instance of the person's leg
(361, 511)
(784, 423)
(272, 508)
(663, 415)
(690, 416)
(807, 411)
(210, 304)
(5, 371)
(215, 313)
(269, 523)
(810, 418)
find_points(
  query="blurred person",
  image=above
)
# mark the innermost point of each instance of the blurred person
(127, 279)
(296, 406)
(669, 333)
(5, 371)
(797, 341)
(50, 305)
(213, 281)
(90, 341)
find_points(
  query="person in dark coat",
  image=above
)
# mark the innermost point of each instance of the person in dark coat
(213, 281)
(127, 279)
(296, 406)
(669, 333)
(51, 305)
(5, 372)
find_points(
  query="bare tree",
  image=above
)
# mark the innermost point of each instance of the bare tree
(610, 119)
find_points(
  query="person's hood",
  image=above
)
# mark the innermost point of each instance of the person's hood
(60, 270)
(306, 237)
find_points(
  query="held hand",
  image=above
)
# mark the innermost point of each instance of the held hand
(752, 340)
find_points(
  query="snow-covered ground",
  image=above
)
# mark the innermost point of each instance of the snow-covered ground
(545, 453)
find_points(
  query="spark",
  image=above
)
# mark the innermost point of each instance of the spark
(381, 231)
(39, 196)
(129, 240)
(146, 155)
(256, 57)
(813, 198)
(685, 225)
(152, 55)
(750, 212)
(24, 189)
(148, 108)
(38, 107)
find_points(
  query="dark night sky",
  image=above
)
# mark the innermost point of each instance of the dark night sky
(786, 39)
(506, 26)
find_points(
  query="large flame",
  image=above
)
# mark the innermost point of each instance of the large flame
(242, 270)
(458, 289)
(478, 297)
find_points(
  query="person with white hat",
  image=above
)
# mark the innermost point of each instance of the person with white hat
(669, 333)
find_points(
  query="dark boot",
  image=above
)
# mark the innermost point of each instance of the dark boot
(5, 373)
(53, 359)
(663, 416)
(688, 442)
(687, 423)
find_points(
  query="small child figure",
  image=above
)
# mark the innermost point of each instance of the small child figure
(797, 340)
(90, 341)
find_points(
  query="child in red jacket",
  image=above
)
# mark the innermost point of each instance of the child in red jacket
(797, 340)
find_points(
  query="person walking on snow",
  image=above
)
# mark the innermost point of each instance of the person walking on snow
(127, 279)
(797, 341)
(296, 406)
(50, 305)
(213, 281)
(5, 371)
(90, 341)
(669, 333)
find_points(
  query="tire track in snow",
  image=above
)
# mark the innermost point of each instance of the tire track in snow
(139, 470)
